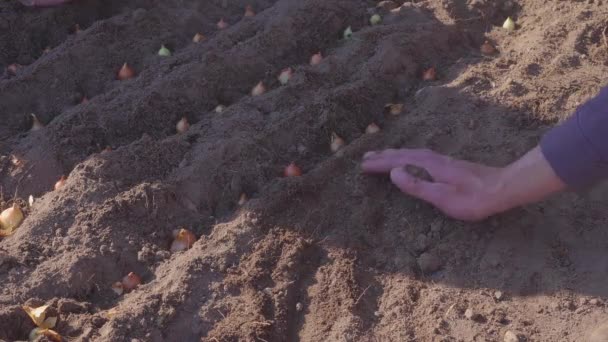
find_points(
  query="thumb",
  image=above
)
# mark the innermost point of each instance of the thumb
(432, 192)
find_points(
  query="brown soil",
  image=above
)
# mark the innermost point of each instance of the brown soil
(333, 255)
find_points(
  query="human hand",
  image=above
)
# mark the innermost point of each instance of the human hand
(460, 189)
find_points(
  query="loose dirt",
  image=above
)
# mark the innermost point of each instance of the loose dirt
(333, 255)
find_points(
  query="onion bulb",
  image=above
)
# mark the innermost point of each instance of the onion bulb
(243, 199)
(292, 170)
(375, 19)
(60, 183)
(30, 201)
(36, 124)
(348, 33)
(316, 58)
(46, 50)
(259, 89)
(222, 24)
(336, 142)
(12, 69)
(487, 48)
(198, 38)
(183, 240)
(429, 74)
(107, 149)
(249, 12)
(394, 108)
(509, 24)
(164, 52)
(84, 100)
(11, 218)
(285, 75)
(130, 281)
(219, 108)
(118, 288)
(126, 72)
(182, 125)
(372, 128)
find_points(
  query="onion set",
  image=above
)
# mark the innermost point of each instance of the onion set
(259, 89)
(182, 125)
(348, 33)
(243, 199)
(126, 72)
(509, 24)
(372, 128)
(487, 49)
(249, 12)
(12, 69)
(164, 52)
(292, 170)
(199, 37)
(118, 288)
(429, 74)
(316, 58)
(36, 124)
(336, 142)
(219, 108)
(375, 19)
(183, 240)
(60, 183)
(394, 108)
(10, 219)
(222, 24)
(130, 281)
(285, 76)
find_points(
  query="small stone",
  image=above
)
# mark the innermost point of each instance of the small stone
(498, 295)
(428, 263)
(299, 307)
(510, 337)
(469, 314)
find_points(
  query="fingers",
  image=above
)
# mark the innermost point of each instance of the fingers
(434, 193)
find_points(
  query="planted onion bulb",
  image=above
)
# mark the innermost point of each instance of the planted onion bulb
(11, 218)
(130, 281)
(249, 12)
(118, 288)
(375, 19)
(487, 48)
(336, 142)
(292, 170)
(182, 125)
(316, 58)
(259, 89)
(372, 128)
(36, 124)
(243, 199)
(348, 33)
(429, 74)
(183, 240)
(198, 38)
(12, 69)
(509, 24)
(164, 52)
(222, 24)
(219, 108)
(285, 75)
(60, 183)
(394, 108)
(126, 72)
(84, 100)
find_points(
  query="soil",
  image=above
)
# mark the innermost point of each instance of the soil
(333, 255)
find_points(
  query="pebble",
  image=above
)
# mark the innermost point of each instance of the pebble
(299, 307)
(428, 262)
(510, 337)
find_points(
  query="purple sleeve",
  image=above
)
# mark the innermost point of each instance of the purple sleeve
(577, 149)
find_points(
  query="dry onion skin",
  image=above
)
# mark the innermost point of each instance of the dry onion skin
(125, 72)
(182, 125)
(48, 333)
(43, 324)
(183, 240)
(292, 170)
(317, 58)
(130, 281)
(118, 288)
(285, 76)
(394, 108)
(36, 124)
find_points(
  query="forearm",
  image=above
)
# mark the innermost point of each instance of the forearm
(529, 179)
